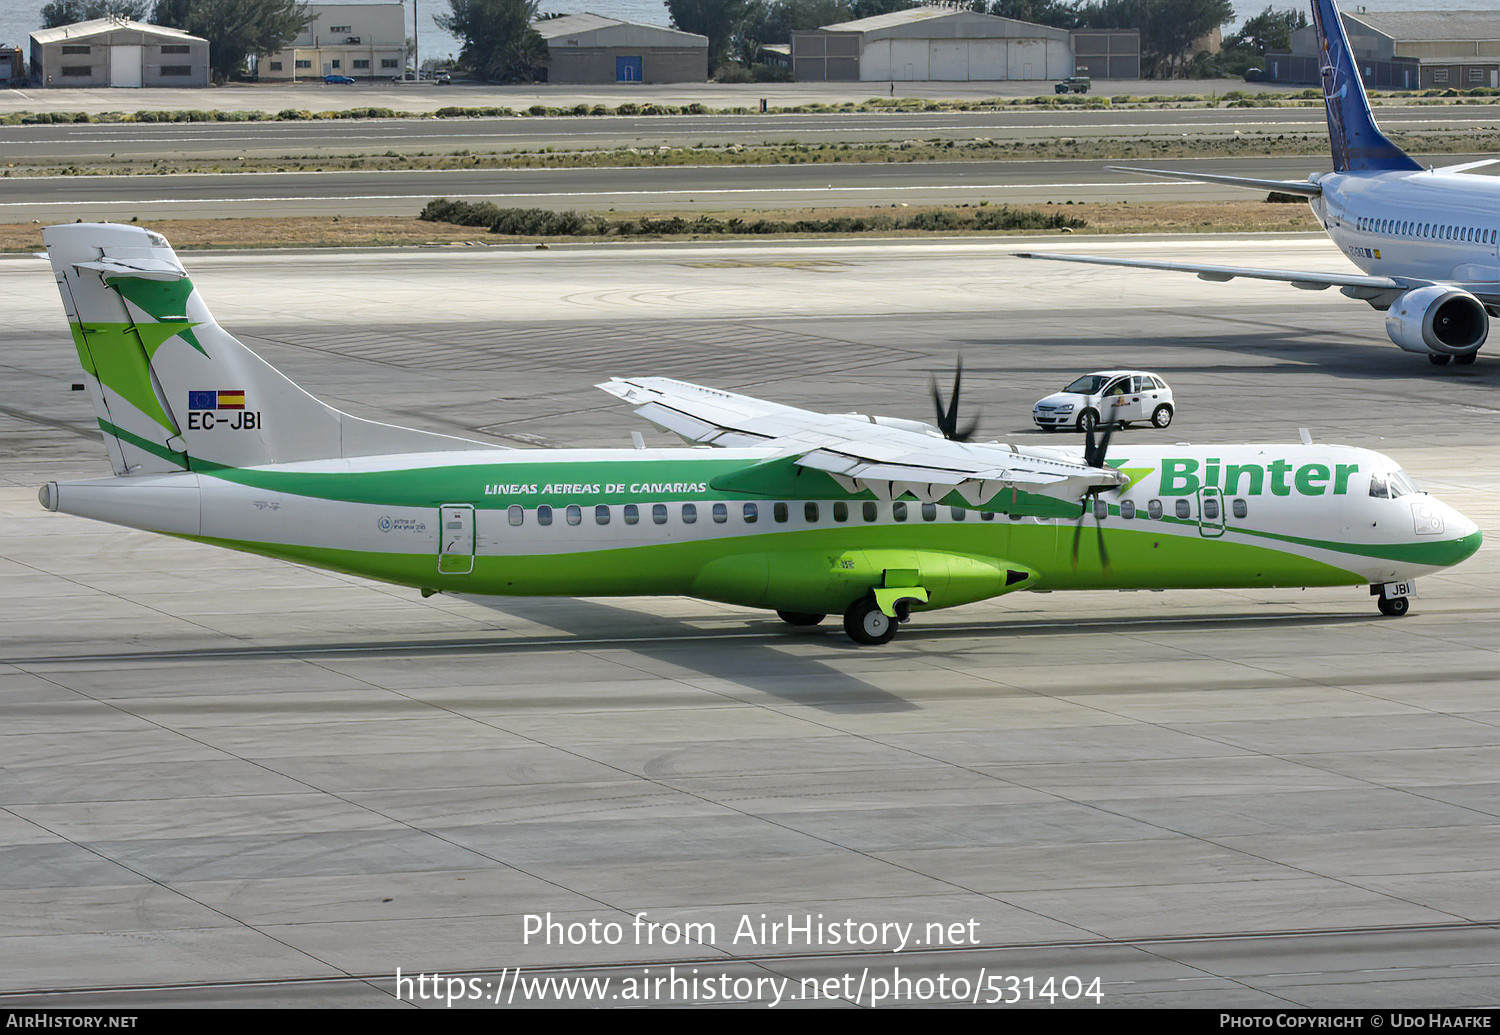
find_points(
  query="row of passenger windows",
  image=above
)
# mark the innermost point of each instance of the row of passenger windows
(812, 513)
(1436, 231)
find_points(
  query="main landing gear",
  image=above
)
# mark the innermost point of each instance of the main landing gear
(865, 622)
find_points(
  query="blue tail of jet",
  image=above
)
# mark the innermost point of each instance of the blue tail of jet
(1358, 144)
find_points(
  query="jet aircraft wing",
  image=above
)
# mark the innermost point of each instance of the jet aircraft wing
(1355, 285)
(862, 453)
(1297, 278)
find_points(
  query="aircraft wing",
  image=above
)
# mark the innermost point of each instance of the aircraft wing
(858, 452)
(1306, 188)
(1355, 285)
(1297, 278)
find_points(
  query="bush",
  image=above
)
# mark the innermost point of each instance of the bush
(519, 222)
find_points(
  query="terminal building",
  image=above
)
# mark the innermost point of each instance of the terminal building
(117, 52)
(362, 41)
(590, 48)
(932, 44)
(1414, 50)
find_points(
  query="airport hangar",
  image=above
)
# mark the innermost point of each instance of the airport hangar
(927, 44)
(117, 52)
(590, 48)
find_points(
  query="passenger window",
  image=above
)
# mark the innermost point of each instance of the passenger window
(1154, 509)
(898, 511)
(779, 512)
(986, 515)
(1101, 510)
(958, 513)
(1210, 510)
(871, 512)
(601, 515)
(841, 512)
(751, 513)
(1241, 508)
(631, 513)
(517, 515)
(810, 513)
(929, 512)
(689, 514)
(1183, 510)
(575, 514)
(721, 513)
(544, 515)
(1127, 509)
(659, 513)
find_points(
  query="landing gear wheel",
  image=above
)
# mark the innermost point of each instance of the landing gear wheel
(1438, 361)
(799, 617)
(1161, 417)
(867, 624)
(1466, 359)
(1393, 606)
(1088, 420)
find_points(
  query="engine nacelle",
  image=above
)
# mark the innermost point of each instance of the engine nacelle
(1438, 321)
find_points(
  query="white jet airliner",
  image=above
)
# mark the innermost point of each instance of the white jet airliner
(1426, 239)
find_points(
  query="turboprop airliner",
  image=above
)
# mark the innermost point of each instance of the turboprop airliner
(1428, 240)
(802, 513)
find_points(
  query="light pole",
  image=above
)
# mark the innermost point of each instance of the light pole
(415, 57)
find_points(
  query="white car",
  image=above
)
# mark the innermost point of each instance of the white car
(1120, 397)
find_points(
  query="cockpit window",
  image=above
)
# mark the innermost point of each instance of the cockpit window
(1087, 385)
(1392, 485)
(1402, 485)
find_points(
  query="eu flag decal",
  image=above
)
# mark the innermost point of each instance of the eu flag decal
(203, 400)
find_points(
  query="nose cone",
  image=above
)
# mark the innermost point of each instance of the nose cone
(1461, 538)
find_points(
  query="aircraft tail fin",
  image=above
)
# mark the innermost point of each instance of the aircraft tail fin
(1358, 145)
(173, 390)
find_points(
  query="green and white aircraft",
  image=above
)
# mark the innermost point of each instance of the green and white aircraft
(803, 513)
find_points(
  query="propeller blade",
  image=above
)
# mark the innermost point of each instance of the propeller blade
(947, 416)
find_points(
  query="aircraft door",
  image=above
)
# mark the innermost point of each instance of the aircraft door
(1210, 512)
(456, 539)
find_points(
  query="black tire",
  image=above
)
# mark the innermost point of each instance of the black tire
(1438, 361)
(1394, 606)
(866, 624)
(1161, 417)
(800, 617)
(1466, 359)
(1088, 420)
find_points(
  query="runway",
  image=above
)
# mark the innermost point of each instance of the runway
(660, 188)
(279, 786)
(96, 142)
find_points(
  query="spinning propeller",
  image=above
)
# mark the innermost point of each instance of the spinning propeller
(1094, 452)
(947, 422)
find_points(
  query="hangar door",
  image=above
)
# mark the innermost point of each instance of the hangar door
(953, 60)
(125, 66)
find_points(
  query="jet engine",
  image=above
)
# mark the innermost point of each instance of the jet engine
(1442, 322)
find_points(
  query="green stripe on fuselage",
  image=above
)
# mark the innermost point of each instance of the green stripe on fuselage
(1149, 559)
